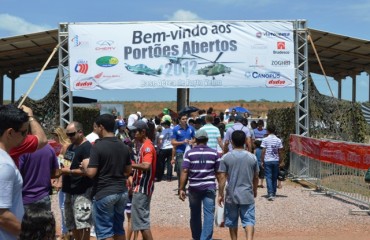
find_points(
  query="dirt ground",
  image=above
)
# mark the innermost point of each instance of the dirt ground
(296, 216)
(222, 233)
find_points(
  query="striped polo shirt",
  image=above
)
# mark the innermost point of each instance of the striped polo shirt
(143, 181)
(272, 145)
(202, 163)
(213, 133)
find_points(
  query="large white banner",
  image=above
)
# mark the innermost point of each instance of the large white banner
(181, 55)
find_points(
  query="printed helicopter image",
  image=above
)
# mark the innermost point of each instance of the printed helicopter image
(143, 69)
(176, 60)
(215, 68)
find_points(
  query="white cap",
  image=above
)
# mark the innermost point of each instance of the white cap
(139, 113)
(227, 110)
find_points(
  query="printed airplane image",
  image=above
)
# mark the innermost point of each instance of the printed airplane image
(143, 69)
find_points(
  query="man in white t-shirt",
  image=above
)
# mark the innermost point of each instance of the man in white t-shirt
(133, 118)
(93, 136)
(14, 124)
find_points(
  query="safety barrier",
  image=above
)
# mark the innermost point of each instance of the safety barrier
(335, 168)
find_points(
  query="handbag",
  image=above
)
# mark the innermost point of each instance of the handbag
(367, 176)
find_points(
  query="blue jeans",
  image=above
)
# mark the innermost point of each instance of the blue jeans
(108, 215)
(196, 199)
(44, 203)
(179, 161)
(61, 196)
(271, 175)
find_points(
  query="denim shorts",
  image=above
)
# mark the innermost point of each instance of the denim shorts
(246, 212)
(108, 215)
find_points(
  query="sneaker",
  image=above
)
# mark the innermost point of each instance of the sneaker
(271, 198)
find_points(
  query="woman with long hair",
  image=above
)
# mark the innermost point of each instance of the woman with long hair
(60, 137)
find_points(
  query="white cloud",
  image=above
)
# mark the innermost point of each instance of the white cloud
(13, 25)
(244, 2)
(183, 15)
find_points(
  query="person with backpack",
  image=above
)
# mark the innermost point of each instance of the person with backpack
(237, 126)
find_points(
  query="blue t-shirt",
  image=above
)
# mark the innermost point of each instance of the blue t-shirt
(166, 135)
(258, 155)
(180, 134)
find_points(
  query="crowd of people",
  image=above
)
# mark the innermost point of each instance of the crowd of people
(108, 176)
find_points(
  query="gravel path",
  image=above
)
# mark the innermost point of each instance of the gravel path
(295, 214)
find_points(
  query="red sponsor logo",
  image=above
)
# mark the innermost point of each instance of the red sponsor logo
(81, 68)
(280, 45)
(84, 84)
(276, 82)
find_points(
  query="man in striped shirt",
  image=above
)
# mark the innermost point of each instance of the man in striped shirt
(200, 166)
(214, 135)
(271, 158)
(143, 180)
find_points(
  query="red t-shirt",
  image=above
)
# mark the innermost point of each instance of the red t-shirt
(29, 145)
(143, 181)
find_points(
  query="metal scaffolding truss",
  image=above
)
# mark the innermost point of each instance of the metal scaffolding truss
(301, 92)
(301, 81)
(65, 95)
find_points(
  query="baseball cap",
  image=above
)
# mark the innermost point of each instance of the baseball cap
(165, 111)
(227, 110)
(238, 118)
(201, 134)
(166, 122)
(138, 125)
(121, 123)
(138, 113)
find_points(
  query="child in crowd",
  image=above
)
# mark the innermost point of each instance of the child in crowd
(37, 224)
(258, 152)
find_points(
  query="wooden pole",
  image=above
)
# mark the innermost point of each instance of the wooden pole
(38, 76)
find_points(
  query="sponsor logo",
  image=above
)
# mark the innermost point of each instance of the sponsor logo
(111, 76)
(81, 67)
(107, 61)
(76, 42)
(280, 45)
(281, 52)
(105, 45)
(257, 64)
(280, 63)
(105, 42)
(277, 83)
(281, 48)
(88, 82)
(272, 34)
(273, 75)
(258, 46)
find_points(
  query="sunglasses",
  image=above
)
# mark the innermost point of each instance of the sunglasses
(72, 134)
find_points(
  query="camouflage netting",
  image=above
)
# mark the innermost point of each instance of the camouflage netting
(46, 110)
(330, 118)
